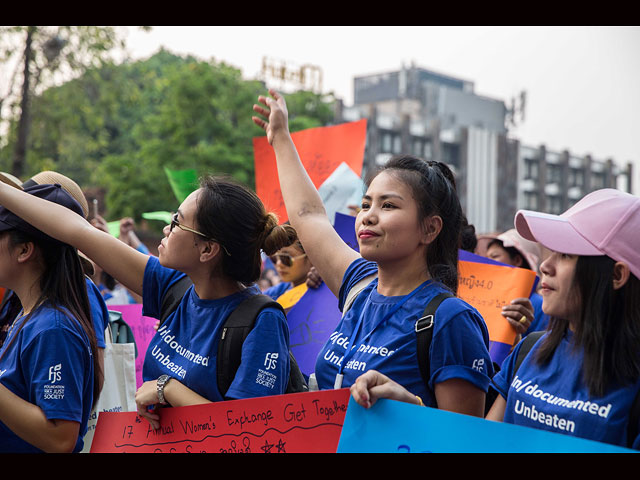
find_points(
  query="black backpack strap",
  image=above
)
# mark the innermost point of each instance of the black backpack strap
(527, 344)
(424, 333)
(173, 297)
(232, 336)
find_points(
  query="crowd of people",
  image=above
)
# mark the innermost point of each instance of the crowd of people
(61, 269)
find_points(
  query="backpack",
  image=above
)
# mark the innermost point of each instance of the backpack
(233, 333)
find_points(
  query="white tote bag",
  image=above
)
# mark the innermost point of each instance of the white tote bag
(119, 390)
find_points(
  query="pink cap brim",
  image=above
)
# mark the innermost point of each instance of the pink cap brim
(553, 232)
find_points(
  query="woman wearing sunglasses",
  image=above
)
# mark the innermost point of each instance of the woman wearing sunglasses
(292, 266)
(216, 238)
(409, 232)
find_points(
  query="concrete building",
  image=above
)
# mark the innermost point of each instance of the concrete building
(439, 117)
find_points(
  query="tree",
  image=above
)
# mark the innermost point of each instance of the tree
(46, 55)
(116, 127)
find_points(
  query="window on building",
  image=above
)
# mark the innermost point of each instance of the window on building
(397, 144)
(597, 180)
(531, 170)
(385, 138)
(554, 204)
(530, 200)
(576, 177)
(554, 173)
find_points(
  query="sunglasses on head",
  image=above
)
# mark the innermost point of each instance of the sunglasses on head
(286, 259)
(174, 223)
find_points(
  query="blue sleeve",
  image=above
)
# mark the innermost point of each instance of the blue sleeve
(460, 347)
(56, 367)
(157, 279)
(359, 269)
(99, 311)
(264, 369)
(142, 248)
(501, 381)
(277, 290)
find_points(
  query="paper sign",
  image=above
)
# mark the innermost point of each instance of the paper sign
(342, 188)
(143, 331)
(289, 298)
(345, 226)
(295, 423)
(321, 151)
(182, 182)
(488, 288)
(311, 321)
(390, 426)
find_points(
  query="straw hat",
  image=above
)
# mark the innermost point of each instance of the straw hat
(71, 187)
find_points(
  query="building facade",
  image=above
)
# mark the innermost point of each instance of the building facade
(438, 117)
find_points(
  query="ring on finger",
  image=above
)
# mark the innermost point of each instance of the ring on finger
(523, 320)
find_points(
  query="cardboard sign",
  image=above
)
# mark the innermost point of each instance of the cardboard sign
(391, 426)
(311, 321)
(321, 151)
(289, 298)
(488, 288)
(143, 331)
(295, 423)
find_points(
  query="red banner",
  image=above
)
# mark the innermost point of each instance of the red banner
(296, 423)
(321, 151)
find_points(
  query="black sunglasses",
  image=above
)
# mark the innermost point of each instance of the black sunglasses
(286, 259)
(174, 223)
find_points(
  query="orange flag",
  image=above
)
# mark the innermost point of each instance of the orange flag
(321, 151)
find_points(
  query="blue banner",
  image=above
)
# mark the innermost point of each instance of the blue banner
(390, 426)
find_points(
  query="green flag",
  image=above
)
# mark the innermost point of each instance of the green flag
(162, 216)
(114, 228)
(183, 182)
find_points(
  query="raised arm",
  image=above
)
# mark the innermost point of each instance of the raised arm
(327, 251)
(118, 259)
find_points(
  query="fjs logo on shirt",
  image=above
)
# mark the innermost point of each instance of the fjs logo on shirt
(55, 373)
(53, 391)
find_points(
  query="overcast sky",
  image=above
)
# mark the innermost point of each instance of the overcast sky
(582, 83)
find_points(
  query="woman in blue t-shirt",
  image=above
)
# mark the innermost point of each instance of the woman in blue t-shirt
(583, 376)
(215, 238)
(409, 231)
(49, 374)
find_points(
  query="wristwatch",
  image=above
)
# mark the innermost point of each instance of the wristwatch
(162, 381)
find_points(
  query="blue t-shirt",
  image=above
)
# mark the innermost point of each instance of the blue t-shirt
(540, 319)
(48, 364)
(277, 290)
(99, 311)
(459, 348)
(554, 397)
(185, 346)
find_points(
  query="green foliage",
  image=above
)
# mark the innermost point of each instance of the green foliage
(117, 126)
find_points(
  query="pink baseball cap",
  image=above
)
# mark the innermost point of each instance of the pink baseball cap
(604, 222)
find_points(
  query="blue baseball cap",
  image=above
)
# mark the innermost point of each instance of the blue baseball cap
(51, 192)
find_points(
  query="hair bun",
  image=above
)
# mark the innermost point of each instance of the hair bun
(277, 236)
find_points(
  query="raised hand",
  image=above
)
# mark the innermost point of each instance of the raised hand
(276, 115)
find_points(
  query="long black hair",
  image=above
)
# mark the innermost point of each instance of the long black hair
(235, 216)
(433, 187)
(609, 326)
(63, 288)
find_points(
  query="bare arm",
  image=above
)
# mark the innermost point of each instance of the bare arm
(121, 261)
(328, 253)
(497, 410)
(454, 395)
(30, 423)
